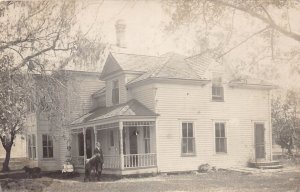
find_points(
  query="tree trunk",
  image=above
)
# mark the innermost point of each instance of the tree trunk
(5, 164)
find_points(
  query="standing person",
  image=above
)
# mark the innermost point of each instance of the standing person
(98, 151)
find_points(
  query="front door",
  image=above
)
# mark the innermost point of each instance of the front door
(259, 134)
(133, 140)
(89, 143)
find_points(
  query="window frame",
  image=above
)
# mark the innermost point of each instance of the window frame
(215, 138)
(32, 153)
(217, 86)
(115, 98)
(47, 147)
(187, 154)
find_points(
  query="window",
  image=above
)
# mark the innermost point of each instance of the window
(220, 135)
(112, 142)
(217, 88)
(188, 139)
(115, 92)
(31, 146)
(47, 146)
(146, 130)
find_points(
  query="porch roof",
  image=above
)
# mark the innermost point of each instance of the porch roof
(131, 108)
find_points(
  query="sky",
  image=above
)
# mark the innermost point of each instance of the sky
(145, 21)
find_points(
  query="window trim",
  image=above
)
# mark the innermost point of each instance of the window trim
(217, 98)
(32, 147)
(214, 136)
(112, 91)
(47, 146)
(194, 139)
(220, 85)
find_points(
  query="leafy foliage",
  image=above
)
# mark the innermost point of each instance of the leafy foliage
(38, 40)
(286, 120)
(267, 30)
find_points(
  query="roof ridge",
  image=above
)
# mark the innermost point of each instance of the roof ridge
(162, 66)
(137, 54)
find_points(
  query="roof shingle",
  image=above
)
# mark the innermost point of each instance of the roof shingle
(130, 108)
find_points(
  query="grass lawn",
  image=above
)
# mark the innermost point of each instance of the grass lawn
(213, 181)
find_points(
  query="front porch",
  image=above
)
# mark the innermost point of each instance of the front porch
(128, 146)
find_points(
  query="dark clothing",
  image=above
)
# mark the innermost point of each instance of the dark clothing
(99, 151)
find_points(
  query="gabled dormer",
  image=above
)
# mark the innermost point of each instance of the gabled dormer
(114, 78)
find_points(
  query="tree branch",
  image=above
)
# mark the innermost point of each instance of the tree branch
(287, 33)
(26, 59)
(239, 44)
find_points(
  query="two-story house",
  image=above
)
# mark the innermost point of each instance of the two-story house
(46, 139)
(173, 113)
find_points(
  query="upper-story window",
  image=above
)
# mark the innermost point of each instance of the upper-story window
(115, 92)
(217, 88)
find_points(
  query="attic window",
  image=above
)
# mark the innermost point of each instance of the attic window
(217, 88)
(115, 92)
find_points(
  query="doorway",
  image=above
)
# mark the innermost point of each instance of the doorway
(259, 139)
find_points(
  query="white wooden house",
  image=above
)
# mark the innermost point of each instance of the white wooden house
(173, 113)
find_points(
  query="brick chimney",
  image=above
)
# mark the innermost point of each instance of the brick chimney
(120, 33)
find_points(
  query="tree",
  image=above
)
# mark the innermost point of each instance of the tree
(268, 30)
(38, 39)
(13, 103)
(286, 121)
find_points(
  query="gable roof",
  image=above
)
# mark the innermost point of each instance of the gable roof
(167, 66)
(129, 62)
(130, 108)
(174, 66)
(200, 62)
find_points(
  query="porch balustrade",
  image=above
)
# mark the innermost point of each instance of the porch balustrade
(130, 161)
(140, 160)
(78, 161)
(111, 162)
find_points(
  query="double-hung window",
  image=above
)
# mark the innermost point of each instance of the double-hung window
(47, 146)
(31, 139)
(115, 92)
(217, 88)
(220, 137)
(188, 138)
(146, 131)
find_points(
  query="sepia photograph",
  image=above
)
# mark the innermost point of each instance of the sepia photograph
(150, 95)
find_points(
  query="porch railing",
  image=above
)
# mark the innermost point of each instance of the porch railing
(78, 161)
(140, 160)
(130, 161)
(111, 162)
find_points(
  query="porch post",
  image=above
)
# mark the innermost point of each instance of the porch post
(121, 145)
(95, 133)
(84, 144)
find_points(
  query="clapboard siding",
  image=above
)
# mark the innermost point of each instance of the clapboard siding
(241, 108)
(144, 94)
(80, 90)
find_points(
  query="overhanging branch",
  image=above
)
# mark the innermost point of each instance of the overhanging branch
(267, 21)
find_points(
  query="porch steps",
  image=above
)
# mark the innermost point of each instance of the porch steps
(266, 165)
